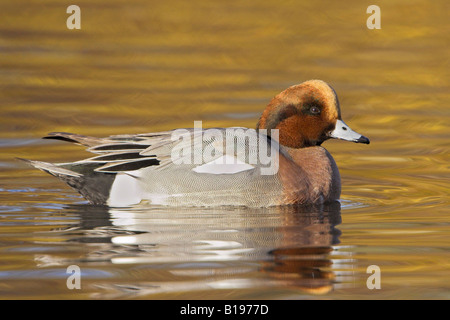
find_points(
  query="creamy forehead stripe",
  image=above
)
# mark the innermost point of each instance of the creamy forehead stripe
(328, 94)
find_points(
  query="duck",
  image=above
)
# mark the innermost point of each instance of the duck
(280, 162)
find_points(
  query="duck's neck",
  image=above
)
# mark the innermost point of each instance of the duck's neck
(289, 129)
(284, 120)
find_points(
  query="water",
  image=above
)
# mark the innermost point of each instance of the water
(139, 67)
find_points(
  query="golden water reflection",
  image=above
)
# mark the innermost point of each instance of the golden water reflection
(216, 250)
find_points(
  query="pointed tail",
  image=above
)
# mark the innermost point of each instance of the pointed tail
(93, 186)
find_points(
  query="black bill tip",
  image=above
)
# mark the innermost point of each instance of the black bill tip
(363, 139)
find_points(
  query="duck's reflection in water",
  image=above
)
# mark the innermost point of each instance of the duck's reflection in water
(170, 250)
(303, 258)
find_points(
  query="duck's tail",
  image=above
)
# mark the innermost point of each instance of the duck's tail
(51, 168)
(93, 186)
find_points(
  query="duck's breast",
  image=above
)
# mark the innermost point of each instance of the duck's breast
(309, 175)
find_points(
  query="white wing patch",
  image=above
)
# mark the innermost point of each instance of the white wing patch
(224, 165)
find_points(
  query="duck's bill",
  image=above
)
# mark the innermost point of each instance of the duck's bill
(342, 131)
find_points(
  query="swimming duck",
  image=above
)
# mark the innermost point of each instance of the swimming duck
(281, 162)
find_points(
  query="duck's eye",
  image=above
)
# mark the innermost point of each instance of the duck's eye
(314, 110)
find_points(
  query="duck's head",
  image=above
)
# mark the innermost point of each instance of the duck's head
(306, 115)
